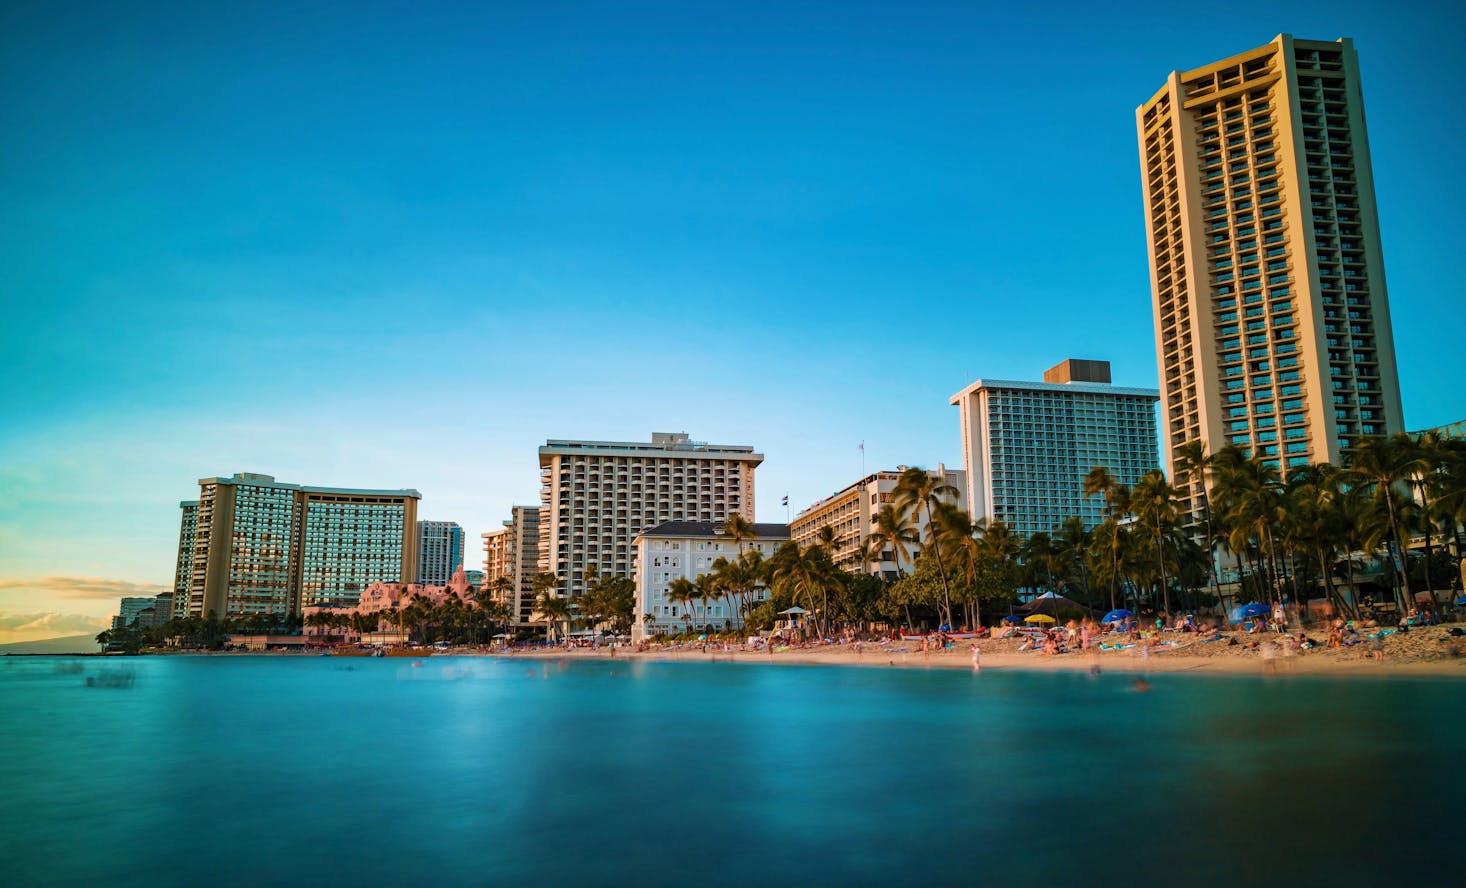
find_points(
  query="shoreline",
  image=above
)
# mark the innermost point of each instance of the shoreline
(1423, 652)
(1348, 663)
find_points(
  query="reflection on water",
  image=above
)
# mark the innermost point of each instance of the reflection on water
(448, 771)
(115, 677)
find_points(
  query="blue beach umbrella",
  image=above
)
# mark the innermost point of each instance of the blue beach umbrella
(1012, 618)
(1255, 610)
(1117, 616)
(1461, 601)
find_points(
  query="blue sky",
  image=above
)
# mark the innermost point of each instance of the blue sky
(399, 245)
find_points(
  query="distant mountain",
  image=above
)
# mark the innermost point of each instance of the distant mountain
(70, 644)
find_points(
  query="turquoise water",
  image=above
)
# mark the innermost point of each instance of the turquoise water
(239, 770)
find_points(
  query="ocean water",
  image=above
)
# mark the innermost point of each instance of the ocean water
(312, 770)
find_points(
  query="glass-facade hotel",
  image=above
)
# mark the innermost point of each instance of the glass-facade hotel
(264, 547)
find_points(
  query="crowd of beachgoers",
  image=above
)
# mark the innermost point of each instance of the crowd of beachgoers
(1275, 642)
(1415, 644)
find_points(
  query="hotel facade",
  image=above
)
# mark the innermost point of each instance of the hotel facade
(851, 513)
(687, 550)
(513, 553)
(261, 546)
(1027, 446)
(143, 613)
(439, 551)
(1267, 277)
(598, 495)
(183, 571)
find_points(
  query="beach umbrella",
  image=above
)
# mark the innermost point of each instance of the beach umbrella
(1461, 601)
(1039, 618)
(1117, 616)
(1255, 610)
(796, 609)
(1012, 618)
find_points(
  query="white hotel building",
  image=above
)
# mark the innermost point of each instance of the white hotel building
(598, 495)
(687, 550)
(1027, 446)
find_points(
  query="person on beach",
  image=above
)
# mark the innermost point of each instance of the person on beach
(976, 658)
(1269, 651)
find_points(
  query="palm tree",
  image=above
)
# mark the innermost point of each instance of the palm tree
(1380, 464)
(1317, 520)
(1431, 452)
(827, 539)
(809, 573)
(361, 623)
(555, 610)
(920, 489)
(739, 528)
(1155, 505)
(503, 589)
(1073, 542)
(1099, 482)
(1450, 498)
(997, 549)
(891, 531)
(544, 586)
(104, 638)
(739, 578)
(708, 590)
(1036, 555)
(682, 593)
(952, 529)
(1250, 494)
(1192, 465)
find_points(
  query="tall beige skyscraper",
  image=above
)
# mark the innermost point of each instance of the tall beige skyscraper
(1272, 320)
(513, 552)
(598, 495)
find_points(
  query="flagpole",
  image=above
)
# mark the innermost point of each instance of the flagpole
(862, 459)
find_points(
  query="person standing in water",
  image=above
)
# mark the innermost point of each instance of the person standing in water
(976, 658)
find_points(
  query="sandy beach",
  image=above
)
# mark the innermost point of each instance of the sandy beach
(1420, 652)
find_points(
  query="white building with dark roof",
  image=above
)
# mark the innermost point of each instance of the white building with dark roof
(687, 550)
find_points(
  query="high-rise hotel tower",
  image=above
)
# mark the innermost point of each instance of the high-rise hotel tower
(254, 545)
(598, 495)
(1272, 322)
